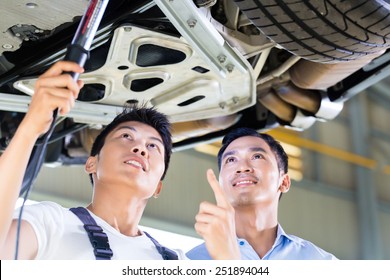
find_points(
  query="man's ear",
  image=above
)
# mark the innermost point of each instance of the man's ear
(285, 185)
(90, 165)
(158, 189)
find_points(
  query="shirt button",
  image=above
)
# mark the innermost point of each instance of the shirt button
(242, 243)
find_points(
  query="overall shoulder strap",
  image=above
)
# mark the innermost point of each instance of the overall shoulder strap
(99, 240)
(166, 253)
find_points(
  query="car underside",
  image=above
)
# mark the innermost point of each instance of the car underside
(209, 66)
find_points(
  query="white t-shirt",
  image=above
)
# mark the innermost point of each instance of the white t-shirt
(61, 236)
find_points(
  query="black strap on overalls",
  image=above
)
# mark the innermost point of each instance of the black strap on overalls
(99, 239)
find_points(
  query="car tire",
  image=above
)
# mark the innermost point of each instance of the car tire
(326, 31)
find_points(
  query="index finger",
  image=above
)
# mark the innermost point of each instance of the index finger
(219, 195)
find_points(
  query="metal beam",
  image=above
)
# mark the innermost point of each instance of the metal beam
(367, 204)
(354, 158)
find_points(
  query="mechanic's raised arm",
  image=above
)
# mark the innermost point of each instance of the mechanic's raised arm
(53, 90)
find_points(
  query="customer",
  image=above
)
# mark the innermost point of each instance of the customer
(253, 176)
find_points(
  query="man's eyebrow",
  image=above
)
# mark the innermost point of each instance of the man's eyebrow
(230, 153)
(157, 139)
(252, 149)
(135, 130)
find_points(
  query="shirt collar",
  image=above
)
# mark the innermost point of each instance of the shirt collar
(281, 233)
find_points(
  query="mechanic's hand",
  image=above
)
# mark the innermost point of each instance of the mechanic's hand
(53, 89)
(216, 224)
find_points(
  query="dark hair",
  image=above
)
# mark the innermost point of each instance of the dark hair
(142, 114)
(276, 148)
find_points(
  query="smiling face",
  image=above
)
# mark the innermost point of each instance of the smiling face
(249, 173)
(132, 155)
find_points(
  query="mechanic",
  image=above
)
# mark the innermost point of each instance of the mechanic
(253, 176)
(127, 164)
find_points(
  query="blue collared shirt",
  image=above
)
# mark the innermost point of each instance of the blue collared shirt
(286, 247)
